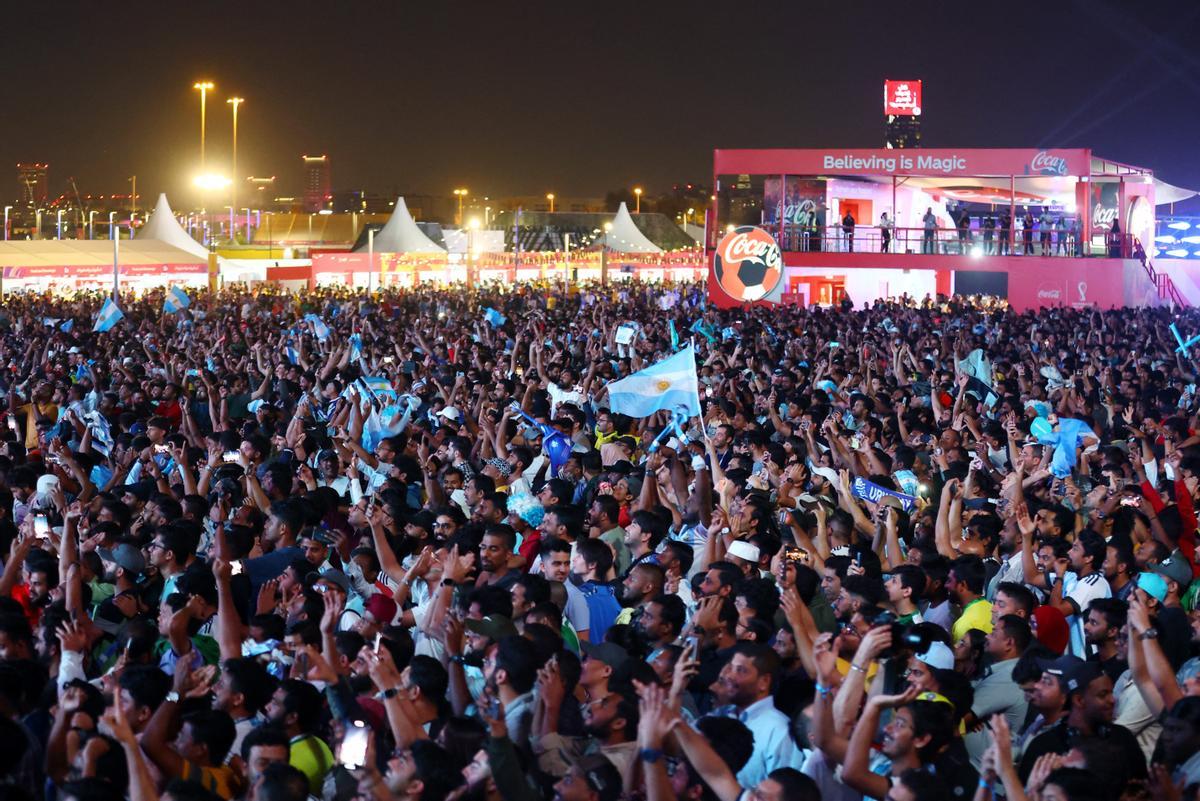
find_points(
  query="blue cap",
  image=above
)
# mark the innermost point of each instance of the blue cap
(1153, 584)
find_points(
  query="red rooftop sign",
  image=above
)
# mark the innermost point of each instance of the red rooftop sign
(902, 98)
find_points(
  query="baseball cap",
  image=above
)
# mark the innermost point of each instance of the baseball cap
(938, 655)
(609, 653)
(743, 550)
(601, 776)
(503, 467)
(1072, 672)
(494, 627)
(336, 577)
(1176, 568)
(450, 413)
(827, 473)
(124, 555)
(1153, 584)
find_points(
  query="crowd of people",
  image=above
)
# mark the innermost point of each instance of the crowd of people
(328, 545)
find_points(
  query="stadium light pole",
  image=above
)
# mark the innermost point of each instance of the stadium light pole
(235, 102)
(637, 194)
(550, 197)
(6, 210)
(203, 86)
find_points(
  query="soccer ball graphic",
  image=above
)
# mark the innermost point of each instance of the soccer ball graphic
(748, 264)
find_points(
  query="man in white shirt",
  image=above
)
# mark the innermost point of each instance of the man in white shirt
(1087, 558)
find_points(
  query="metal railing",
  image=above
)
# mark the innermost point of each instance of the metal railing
(1162, 282)
(1055, 241)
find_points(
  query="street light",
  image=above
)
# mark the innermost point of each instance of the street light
(6, 209)
(550, 197)
(637, 194)
(235, 102)
(203, 86)
(686, 216)
(472, 227)
(461, 195)
(91, 224)
(58, 224)
(604, 256)
(111, 226)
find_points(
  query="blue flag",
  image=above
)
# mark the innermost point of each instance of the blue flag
(674, 335)
(355, 347)
(110, 314)
(869, 491)
(291, 354)
(494, 318)
(67, 326)
(175, 300)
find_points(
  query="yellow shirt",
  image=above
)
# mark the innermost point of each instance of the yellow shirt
(221, 779)
(310, 756)
(977, 615)
(33, 412)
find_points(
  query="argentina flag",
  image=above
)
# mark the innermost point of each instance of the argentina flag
(109, 316)
(670, 384)
(175, 300)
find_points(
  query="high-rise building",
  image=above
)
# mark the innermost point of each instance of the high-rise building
(33, 183)
(318, 190)
(902, 114)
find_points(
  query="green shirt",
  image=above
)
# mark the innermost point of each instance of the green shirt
(310, 756)
(615, 538)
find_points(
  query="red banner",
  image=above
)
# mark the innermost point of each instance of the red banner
(948, 162)
(902, 98)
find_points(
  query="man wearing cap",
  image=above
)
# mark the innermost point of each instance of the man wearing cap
(124, 565)
(1089, 713)
(1178, 574)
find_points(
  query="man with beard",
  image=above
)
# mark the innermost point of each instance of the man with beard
(556, 566)
(663, 618)
(416, 773)
(123, 566)
(261, 748)
(296, 708)
(242, 691)
(643, 582)
(495, 551)
(509, 670)
(747, 681)
(609, 721)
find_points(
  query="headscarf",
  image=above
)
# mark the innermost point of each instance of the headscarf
(1052, 629)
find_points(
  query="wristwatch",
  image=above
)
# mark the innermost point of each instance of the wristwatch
(172, 697)
(1149, 634)
(449, 583)
(390, 693)
(650, 755)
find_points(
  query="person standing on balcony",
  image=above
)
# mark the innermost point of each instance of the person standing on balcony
(848, 230)
(1045, 225)
(1027, 233)
(1005, 233)
(927, 244)
(964, 232)
(885, 233)
(989, 231)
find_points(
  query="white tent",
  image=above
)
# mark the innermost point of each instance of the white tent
(401, 235)
(163, 226)
(625, 236)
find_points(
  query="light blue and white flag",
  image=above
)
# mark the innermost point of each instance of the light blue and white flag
(109, 316)
(320, 330)
(670, 384)
(67, 326)
(493, 317)
(378, 385)
(291, 354)
(355, 347)
(175, 300)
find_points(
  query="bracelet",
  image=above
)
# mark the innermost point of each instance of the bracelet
(859, 668)
(650, 755)
(984, 784)
(823, 690)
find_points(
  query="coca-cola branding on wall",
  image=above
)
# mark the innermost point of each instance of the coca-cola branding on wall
(794, 202)
(748, 264)
(1045, 164)
(1104, 199)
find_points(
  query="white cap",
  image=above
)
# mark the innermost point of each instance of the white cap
(450, 413)
(938, 655)
(827, 473)
(743, 550)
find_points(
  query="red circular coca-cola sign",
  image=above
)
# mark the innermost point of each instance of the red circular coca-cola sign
(748, 263)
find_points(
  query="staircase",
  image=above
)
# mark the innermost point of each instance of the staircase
(1162, 282)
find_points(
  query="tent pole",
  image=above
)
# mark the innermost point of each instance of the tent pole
(116, 266)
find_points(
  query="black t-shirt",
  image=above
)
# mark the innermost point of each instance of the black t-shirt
(953, 766)
(1060, 738)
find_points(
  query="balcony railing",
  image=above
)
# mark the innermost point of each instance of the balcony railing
(1057, 242)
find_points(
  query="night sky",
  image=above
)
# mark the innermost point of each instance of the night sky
(573, 97)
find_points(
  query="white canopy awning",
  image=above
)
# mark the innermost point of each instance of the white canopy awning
(625, 236)
(163, 227)
(400, 234)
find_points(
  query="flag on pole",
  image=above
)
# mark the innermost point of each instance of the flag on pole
(493, 317)
(175, 300)
(110, 314)
(291, 354)
(670, 384)
(320, 330)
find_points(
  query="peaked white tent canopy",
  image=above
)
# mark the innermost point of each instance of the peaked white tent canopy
(163, 226)
(401, 235)
(625, 236)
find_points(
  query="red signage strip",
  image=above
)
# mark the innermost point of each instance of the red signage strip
(965, 162)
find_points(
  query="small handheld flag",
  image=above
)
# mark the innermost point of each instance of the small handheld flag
(175, 300)
(493, 317)
(110, 314)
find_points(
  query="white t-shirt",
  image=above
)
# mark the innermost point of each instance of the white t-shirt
(1083, 593)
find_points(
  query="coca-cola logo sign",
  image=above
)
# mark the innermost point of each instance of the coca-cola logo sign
(1045, 164)
(748, 263)
(1051, 293)
(802, 213)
